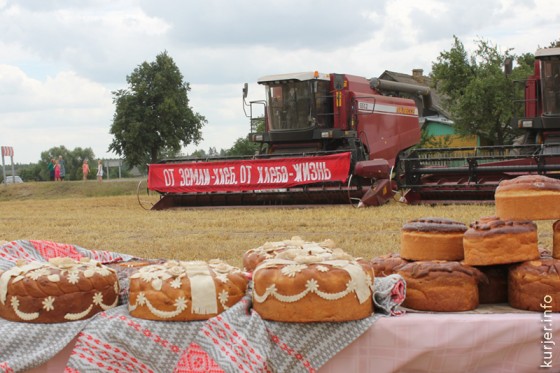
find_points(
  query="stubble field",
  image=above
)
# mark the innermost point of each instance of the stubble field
(107, 216)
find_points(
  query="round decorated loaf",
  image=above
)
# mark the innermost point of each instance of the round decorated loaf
(491, 240)
(535, 285)
(440, 286)
(528, 197)
(185, 290)
(432, 239)
(59, 290)
(313, 289)
(287, 249)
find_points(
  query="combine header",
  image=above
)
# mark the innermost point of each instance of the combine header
(328, 138)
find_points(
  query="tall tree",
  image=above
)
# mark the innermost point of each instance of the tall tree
(476, 91)
(152, 117)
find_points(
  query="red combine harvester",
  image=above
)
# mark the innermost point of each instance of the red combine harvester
(337, 138)
(452, 175)
(328, 138)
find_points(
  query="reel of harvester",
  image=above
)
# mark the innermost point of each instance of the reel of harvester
(471, 175)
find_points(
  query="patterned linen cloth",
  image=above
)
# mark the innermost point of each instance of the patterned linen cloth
(25, 345)
(238, 340)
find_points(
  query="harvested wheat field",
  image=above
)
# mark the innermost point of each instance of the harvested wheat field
(107, 216)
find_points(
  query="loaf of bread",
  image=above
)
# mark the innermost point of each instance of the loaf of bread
(59, 290)
(440, 286)
(556, 239)
(535, 285)
(125, 269)
(289, 249)
(491, 240)
(494, 286)
(528, 197)
(185, 291)
(385, 265)
(313, 289)
(432, 239)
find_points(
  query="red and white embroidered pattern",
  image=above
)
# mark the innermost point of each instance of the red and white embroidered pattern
(49, 249)
(291, 352)
(157, 339)
(106, 357)
(234, 346)
(5, 368)
(196, 360)
(13, 252)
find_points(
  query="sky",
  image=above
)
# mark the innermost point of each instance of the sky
(60, 60)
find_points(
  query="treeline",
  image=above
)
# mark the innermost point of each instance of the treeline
(73, 160)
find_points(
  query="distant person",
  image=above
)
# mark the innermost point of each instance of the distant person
(56, 170)
(99, 170)
(85, 169)
(62, 165)
(51, 169)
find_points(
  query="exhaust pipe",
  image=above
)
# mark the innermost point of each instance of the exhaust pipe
(391, 86)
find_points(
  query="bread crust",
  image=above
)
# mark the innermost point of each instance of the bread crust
(432, 239)
(535, 285)
(291, 291)
(185, 291)
(491, 240)
(556, 239)
(289, 249)
(385, 265)
(532, 197)
(494, 286)
(440, 286)
(59, 290)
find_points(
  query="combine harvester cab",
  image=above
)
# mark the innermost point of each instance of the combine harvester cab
(471, 175)
(324, 139)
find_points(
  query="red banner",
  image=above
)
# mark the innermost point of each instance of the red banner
(246, 175)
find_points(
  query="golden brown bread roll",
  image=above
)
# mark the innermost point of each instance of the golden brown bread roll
(312, 289)
(491, 240)
(183, 291)
(59, 290)
(528, 197)
(440, 286)
(535, 285)
(432, 239)
(385, 265)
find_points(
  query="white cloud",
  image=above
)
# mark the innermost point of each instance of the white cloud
(65, 109)
(61, 59)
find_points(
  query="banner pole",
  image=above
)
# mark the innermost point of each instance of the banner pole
(13, 169)
(3, 167)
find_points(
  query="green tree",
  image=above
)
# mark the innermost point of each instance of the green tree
(199, 153)
(73, 162)
(243, 146)
(476, 91)
(152, 117)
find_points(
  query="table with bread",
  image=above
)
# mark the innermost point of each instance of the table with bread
(481, 290)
